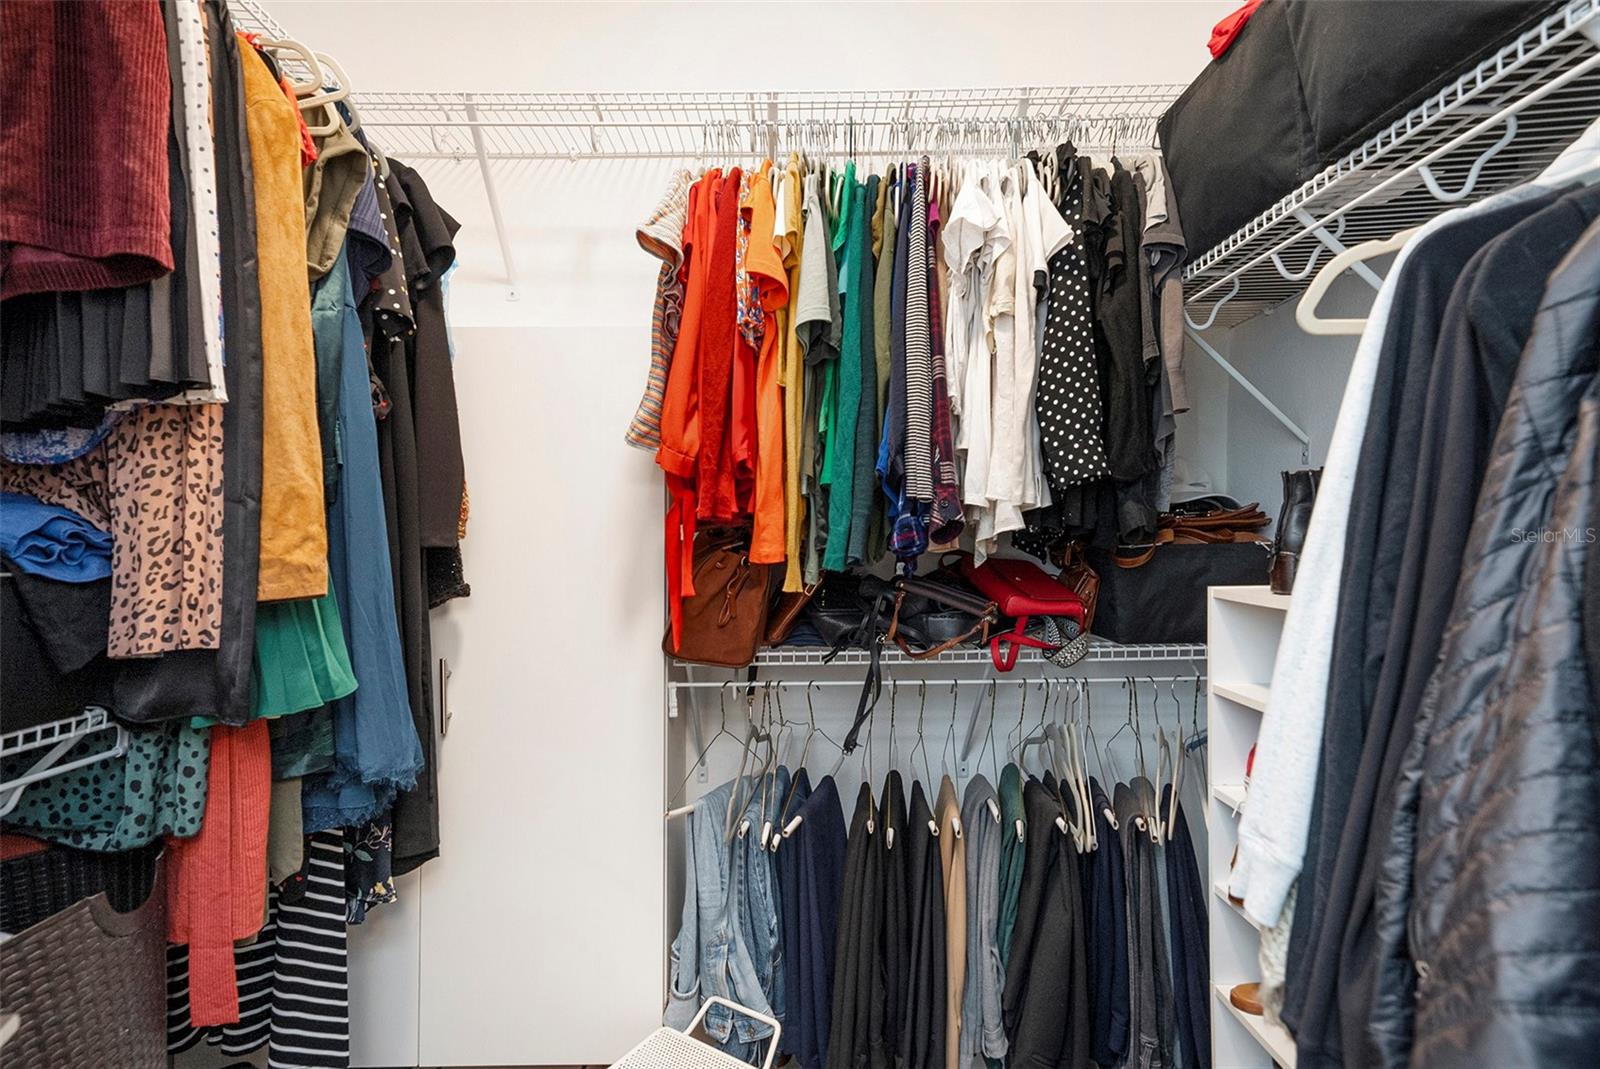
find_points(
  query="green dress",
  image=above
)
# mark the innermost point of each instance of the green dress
(840, 457)
(157, 788)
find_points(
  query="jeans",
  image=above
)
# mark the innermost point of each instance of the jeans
(709, 956)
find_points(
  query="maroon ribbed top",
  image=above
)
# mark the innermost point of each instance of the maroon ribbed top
(83, 145)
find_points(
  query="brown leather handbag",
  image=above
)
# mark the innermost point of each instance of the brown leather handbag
(725, 619)
(787, 608)
(1078, 577)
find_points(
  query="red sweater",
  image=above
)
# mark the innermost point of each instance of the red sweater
(217, 881)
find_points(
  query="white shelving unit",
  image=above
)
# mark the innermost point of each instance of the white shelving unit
(1249, 695)
(1243, 625)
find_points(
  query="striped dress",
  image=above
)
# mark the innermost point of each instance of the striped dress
(294, 992)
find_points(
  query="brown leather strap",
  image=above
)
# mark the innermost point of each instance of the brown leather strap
(980, 631)
(981, 628)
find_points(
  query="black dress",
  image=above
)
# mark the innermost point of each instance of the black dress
(1068, 396)
(1129, 438)
(1045, 1003)
(922, 1034)
(894, 930)
(856, 1030)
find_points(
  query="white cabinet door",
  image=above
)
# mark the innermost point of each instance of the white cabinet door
(384, 977)
(541, 923)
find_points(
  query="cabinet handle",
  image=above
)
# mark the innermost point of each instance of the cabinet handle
(444, 697)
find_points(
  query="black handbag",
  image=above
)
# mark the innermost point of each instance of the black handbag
(840, 607)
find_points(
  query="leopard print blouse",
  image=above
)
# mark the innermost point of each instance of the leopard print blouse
(156, 484)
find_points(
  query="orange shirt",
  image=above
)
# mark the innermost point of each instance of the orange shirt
(791, 361)
(716, 494)
(764, 265)
(679, 453)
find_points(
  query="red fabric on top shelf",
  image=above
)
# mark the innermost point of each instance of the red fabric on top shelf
(1225, 32)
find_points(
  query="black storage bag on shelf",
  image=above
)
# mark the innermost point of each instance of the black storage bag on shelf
(1164, 599)
(1238, 138)
(1362, 64)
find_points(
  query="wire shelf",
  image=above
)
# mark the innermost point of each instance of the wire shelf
(1496, 126)
(696, 125)
(689, 126)
(1100, 651)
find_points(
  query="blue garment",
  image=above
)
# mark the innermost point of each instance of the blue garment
(56, 445)
(788, 866)
(376, 749)
(444, 293)
(811, 873)
(51, 541)
(709, 955)
(1105, 900)
(366, 242)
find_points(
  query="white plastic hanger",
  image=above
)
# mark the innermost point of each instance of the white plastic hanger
(1079, 766)
(304, 55)
(1305, 314)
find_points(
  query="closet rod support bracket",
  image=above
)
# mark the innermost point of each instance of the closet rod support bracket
(1332, 243)
(1249, 387)
(493, 195)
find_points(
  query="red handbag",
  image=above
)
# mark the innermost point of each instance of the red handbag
(1020, 589)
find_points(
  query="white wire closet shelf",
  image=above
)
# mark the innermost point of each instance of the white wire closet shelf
(1497, 125)
(702, 125)
(1100, 651)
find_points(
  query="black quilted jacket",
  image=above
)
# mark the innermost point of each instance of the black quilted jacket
(1489, 897)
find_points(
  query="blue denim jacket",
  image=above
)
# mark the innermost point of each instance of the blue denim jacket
(710, 956)
(760, 920)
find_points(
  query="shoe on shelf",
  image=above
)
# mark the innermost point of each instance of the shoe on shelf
(1246, 998)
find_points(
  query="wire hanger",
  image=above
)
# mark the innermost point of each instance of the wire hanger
(1164, 765)
(722, 701)
(949, 758)
(922, 739)
(789, 824)
(988, 746)
(1093, 746)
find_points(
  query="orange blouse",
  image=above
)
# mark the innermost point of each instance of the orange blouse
(770, 282)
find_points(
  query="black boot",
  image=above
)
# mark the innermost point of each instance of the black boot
(1299, 494)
